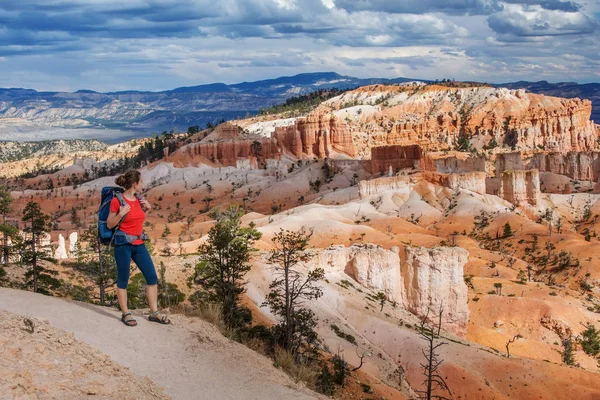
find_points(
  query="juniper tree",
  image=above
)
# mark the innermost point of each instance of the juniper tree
(225, 260)
(295, 331)
(36, 223)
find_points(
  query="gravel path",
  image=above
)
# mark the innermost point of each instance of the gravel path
(189, 360)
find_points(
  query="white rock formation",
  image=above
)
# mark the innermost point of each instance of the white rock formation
(433, 278)
(73, 242)
(419, 280)
(45, 243)
(61, 251)
(372, 266)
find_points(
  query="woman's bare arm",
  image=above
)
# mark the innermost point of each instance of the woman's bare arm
(114, 217)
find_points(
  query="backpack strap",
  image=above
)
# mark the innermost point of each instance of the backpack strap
(120, 198)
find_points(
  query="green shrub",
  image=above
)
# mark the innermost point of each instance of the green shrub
(590, 341)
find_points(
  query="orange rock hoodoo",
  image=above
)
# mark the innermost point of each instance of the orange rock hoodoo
(316, 135)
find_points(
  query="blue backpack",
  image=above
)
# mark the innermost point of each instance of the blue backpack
(108, 193)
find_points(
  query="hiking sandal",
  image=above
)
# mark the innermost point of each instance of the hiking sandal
(154, 318)
(128, 321)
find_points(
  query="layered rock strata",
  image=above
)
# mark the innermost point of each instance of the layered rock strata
(520, 187)
(225, 153)
(435, 117)
(376, 186)
(452, 162)
(384, 158)
(583, 166)
(473, 181)
(316, 135)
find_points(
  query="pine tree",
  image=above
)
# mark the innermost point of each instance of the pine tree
(507, 230)
(590, 341)
(168, 293)
(9, 231)
(96, 262)
(568, 355)
(296, 328)
(224, 261)
(36, 223)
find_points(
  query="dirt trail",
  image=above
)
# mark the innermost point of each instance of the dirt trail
(190, 360)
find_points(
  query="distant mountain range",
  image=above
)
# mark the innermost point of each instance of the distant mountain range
(27, 110)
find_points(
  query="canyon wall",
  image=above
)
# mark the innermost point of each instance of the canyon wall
(520, 187)
(434, 278)
(316, 135)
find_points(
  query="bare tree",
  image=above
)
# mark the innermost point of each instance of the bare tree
(430, 332)
(361, 356)
(514, 339)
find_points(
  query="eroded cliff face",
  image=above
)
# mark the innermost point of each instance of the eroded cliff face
(226, 145)
(421, 280)
(436, 116)
(434, 278)
(225, 153)
(520, 187)
(384, 158)
(316, 135)
(583, 166)
(372, 266)
(472, 181)
(452, 162)
(376, 186)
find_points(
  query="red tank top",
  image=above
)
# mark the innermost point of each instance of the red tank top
(133, 223)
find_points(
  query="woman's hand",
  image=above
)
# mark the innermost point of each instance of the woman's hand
(124, 210)
(145, 205)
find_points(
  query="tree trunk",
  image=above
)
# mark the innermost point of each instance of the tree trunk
(5, 244)
(101, 265)
(35, 271)
(288, 322)
(430, 366)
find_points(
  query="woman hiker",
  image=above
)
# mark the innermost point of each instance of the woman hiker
(129, 245)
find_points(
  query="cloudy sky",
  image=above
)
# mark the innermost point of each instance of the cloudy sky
(110, 45)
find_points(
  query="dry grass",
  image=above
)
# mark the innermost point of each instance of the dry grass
(211, 313)
(300, 372)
